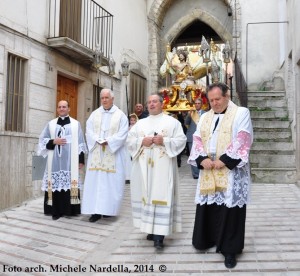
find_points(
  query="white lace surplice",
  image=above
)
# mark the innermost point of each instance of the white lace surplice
(238, 190)
(61, 165)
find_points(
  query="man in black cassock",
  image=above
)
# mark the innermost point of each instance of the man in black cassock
(221, 146)
(62, 141)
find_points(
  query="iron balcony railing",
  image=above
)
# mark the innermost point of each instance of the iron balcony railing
(83, 21)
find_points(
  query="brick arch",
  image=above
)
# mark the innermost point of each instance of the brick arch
(158, 10)
(157, 43)
(190, 18)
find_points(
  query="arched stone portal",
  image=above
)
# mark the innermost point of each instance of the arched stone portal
(212, 12)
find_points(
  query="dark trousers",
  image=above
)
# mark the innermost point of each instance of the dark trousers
(195, 170)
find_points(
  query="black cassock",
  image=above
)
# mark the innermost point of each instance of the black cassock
(218, 225)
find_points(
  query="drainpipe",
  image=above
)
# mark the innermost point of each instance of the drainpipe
(231, 87)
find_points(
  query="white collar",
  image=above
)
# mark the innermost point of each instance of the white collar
(63, 117)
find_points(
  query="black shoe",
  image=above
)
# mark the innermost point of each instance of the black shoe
(159, 244)
(195, 177)
(150, 237)
(230, 261)
(55, 217)
(94, 218)
(127, 181)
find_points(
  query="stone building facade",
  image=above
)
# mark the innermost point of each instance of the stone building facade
(38, 65)
(262, 34)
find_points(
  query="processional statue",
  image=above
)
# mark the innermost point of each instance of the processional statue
(185, 67)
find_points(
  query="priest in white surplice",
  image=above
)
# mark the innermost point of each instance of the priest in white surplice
(62, 142)
(154, 143)
(106, 133)
(221, 149)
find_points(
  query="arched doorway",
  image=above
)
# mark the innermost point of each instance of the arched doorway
(176, 22)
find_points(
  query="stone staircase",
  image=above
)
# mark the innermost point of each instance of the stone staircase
(272, 156)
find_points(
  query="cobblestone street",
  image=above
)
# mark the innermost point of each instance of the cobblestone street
(32, 242)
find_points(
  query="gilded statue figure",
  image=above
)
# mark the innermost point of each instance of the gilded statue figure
(183, 69)
(179, 64)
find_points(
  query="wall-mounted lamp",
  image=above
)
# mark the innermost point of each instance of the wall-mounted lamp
(97, 58)
(205, 53)
(229, 11)
(226, 52)
(205, 50)
(97, 64)
(111, 69)
(125, 68)
(226, 58)
(125, 73)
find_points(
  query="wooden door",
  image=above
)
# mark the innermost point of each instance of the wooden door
(67, 90)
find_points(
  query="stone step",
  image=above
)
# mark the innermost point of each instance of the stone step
(274, 175)
(257, 94)
(267, 104)
(261, 135)
(274, 114)
(272, 135)
(272, 155)
(267, 146)
(269, 152)
(277, 160)
(271, 125)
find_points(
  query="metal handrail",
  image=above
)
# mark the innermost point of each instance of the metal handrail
(241, 85)
(83, 21)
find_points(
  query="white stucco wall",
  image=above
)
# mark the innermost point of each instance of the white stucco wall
(29, 17)
(263, 50)
(130, 33)
(294, 23)
(130, 36)
(293, 74)
(1, 81)
(130, 39)
(149, 4)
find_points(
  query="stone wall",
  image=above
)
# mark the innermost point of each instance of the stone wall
(16, 168)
